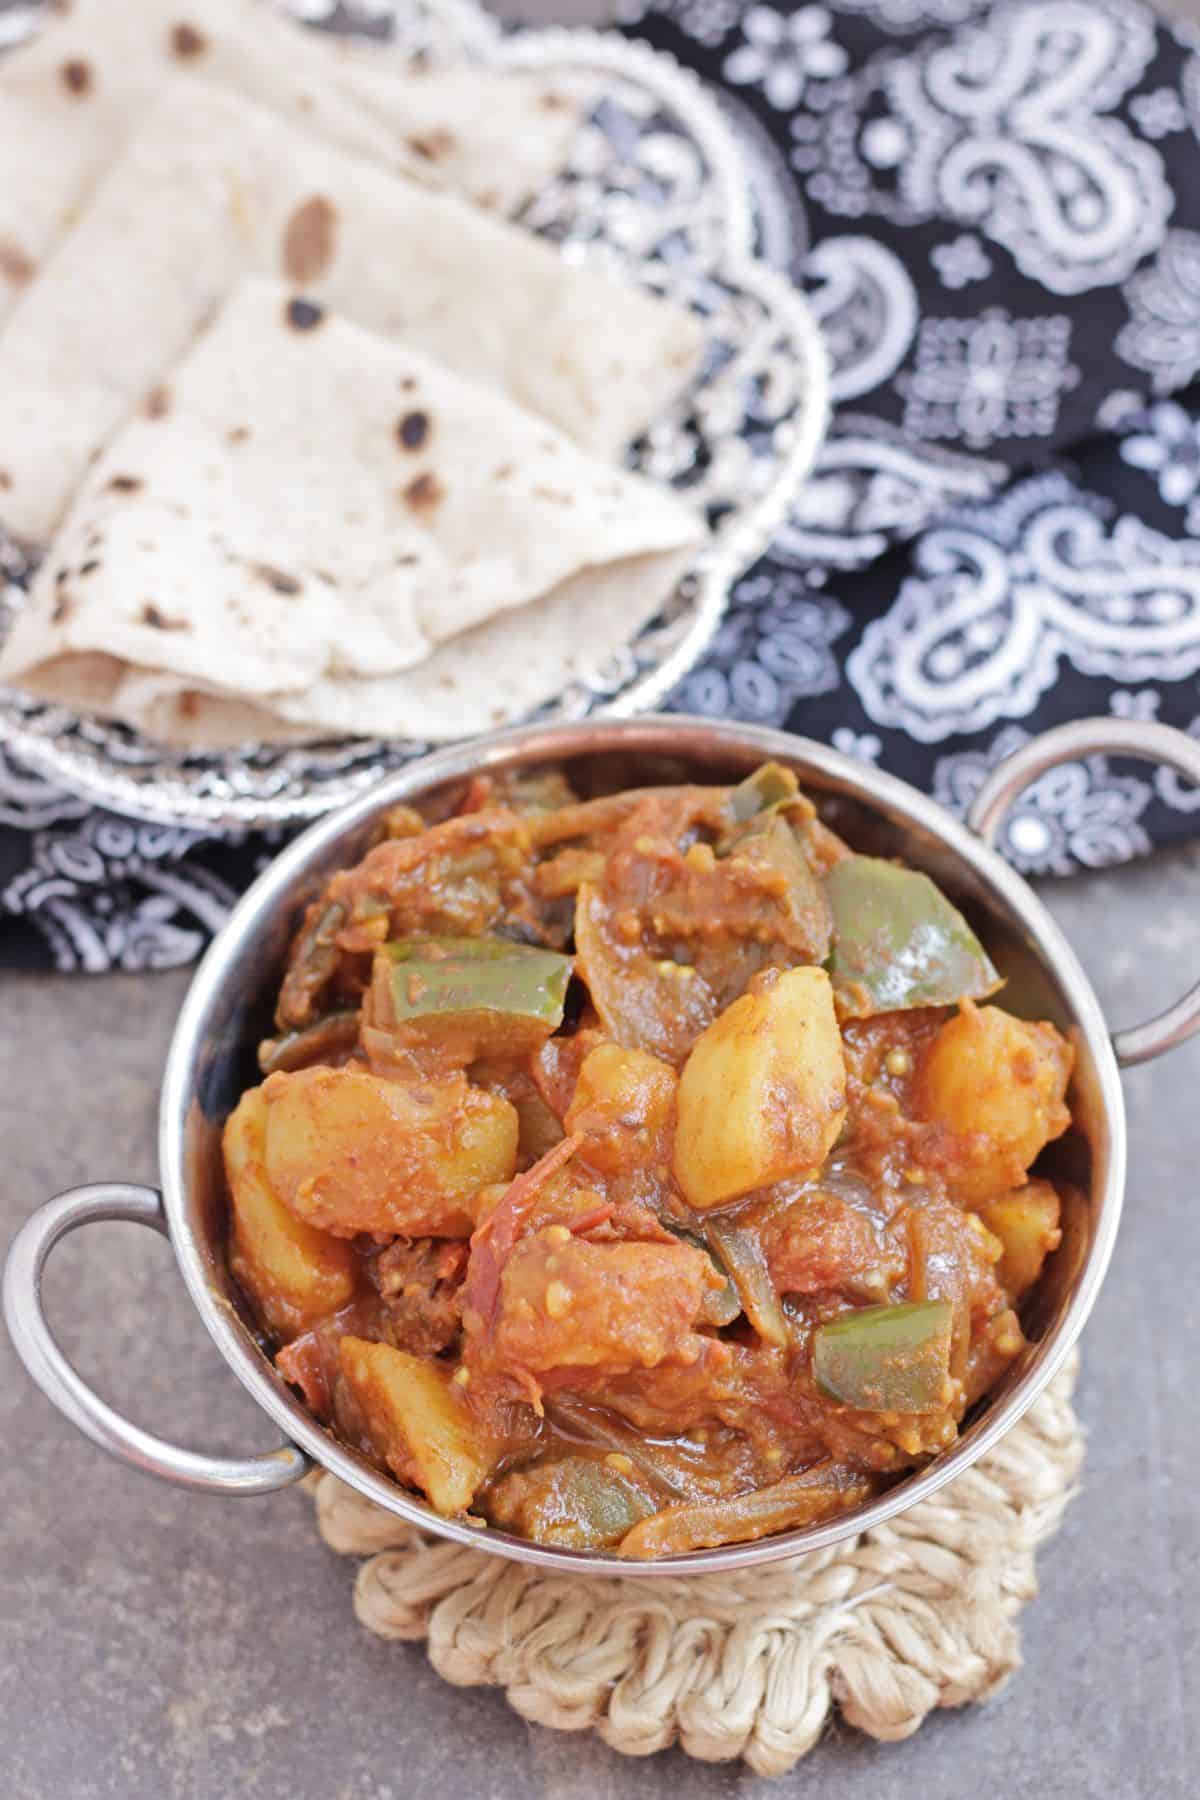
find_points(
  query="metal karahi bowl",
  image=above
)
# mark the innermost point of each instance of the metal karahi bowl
(211, 1060)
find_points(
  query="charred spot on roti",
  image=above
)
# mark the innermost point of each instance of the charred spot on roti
(158, 402)
(90, 566)
(63, 606)
(406, 561)
(158, 620)
(15, 266)
(432, 145)
(189, 705)
(424, 494)
(125, 484)
(5, 480)
(413, 430)
(554, 495)
(76, 76)
(408, 383)
(309, 239)
(303, 315)
(278, 580)
(187, 42)
(551, 101)
(504, 472)
(237, 434)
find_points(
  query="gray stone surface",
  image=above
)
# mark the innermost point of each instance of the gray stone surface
(159, 1646)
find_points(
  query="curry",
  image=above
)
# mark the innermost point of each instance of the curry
(646, 1172)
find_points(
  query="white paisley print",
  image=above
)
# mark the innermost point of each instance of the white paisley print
(961, 261)
(867, 305)
(910, 15)
(1006, 128)
(1167, 447)
(1163, 333)
(783, 52)
(864, 746)
(773, 647)
(998, 599)
(870, 487)
(106, 892)
(1158, 114)
(706, 21)
(1078, 814)
(988, 377)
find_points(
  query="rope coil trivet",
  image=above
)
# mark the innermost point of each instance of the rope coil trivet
(914, 1614)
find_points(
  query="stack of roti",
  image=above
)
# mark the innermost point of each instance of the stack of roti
(326, 448)
(212, 188)
(328, 531)
(71, 98)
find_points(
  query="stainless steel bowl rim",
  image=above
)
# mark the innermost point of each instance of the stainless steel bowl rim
(309, 1443)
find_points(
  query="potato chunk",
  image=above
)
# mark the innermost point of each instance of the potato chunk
(763, 1094)
(294, 1273)
(999, 1083)
(349, 1151)
(624, 1104)
(418, 1423)
(1026, 1222)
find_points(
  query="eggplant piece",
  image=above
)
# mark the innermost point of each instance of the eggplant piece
(312, 964)
(741, 1253)
(326, 1038)
(887, 1358)
(721, 1306)
(898, 942)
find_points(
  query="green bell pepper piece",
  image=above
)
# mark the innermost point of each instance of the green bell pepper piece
(887, 1358)
(503, 997)
(899, 942)
(770, 786)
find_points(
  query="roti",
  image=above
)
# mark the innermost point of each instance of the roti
(72, 96)
(328, 531)
(213, 188)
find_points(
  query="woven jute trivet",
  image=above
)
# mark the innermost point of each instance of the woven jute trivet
(912, 1615)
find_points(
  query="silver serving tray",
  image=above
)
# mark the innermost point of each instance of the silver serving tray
(655, 189)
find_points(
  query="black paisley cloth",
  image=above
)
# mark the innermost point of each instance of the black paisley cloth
(995, 212)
